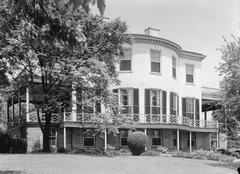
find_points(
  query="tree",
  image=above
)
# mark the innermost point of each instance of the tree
(67, 48)
(229, 69)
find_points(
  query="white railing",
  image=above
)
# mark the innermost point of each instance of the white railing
(130, 118)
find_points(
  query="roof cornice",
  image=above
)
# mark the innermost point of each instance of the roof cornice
(141, 38)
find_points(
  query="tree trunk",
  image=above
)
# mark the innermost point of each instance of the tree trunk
(46, 134)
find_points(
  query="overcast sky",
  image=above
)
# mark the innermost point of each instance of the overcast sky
(196, 25)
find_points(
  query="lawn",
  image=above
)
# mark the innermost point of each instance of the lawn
(81, 164)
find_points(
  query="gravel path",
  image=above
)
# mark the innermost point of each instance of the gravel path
(81, 164)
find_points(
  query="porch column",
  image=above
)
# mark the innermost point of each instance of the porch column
(13, 119)
(19, 107)
(217, 140)
(145, 131)
(178, 140)
(27, 105)
(74, 104)
(64, 138)
(190, 143)
(105, 139)
(8, 120)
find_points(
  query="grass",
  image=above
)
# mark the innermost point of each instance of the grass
(74, 163)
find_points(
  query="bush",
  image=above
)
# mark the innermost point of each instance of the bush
(137, 142)
(233, 143)
(89, 151)
(62, 150)
(161, 149)
(5, 143)
(205, 155)
(109, 151)
(19, 146)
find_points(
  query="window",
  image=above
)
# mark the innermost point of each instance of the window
(174, 138)
(126, 100)
(156, 137)
(155, 101)
(52, 137)
(126, 60)
(129, 101)
(193, 140)
(174, 67)
(89, 138)
(173, 103)
(189, 73)
(213, 137)
(190, 107)
(155, 61)
(123, 137)
(155, 105)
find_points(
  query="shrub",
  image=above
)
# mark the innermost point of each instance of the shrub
(62, 150)
(205, 155)
(151, 153)
(5, 143)
(19, 146)
(161, 149)
(137, 142)
(109, 151)
(90, 151)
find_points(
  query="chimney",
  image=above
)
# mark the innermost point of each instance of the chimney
(152, 32)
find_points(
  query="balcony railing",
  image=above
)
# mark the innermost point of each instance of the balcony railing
(131, 118)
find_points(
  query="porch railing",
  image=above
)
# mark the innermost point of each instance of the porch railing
(132, 118)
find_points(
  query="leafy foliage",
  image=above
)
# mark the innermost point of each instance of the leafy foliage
(204, 155)
(65, 48)
(229, 69)
(137, 142)
(5, 143)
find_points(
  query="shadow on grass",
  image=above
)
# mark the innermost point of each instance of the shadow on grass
(232, 166)
(11, 172)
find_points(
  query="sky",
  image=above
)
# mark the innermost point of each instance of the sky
(196, 25)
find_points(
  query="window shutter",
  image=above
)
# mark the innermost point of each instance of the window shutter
(136, 101)
(197, 109)
(147, 101)
(171, 103)
(164, 102)
(98, 102)
(79, 100)
(184, 106)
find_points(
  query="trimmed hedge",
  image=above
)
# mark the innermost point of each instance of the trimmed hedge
(137, 142)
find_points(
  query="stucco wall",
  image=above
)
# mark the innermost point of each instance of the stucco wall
(141, 76)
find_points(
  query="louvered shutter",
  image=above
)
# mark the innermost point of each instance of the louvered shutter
(184, 106)
(164, 102)
(147, 101)
(135, 101)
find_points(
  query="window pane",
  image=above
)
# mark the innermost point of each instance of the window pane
(155, 56)
(125, 65)
(189, 78)
(174, 61)
(124, 142)
(156, 142)
(189, 69)
(89, 141)
(127, 54)
(155, 67)
(174, 73)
